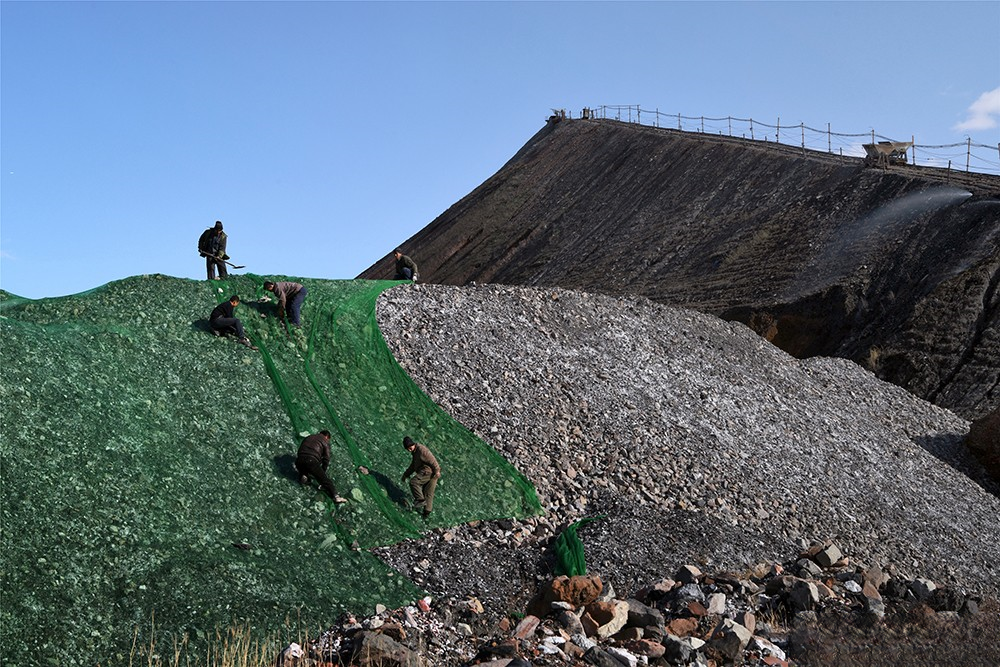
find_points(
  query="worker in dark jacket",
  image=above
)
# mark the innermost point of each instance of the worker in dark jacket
(290, 297)
(426, 473)
(406, 268)
(312, 461)
(223, 321)
(212, 246)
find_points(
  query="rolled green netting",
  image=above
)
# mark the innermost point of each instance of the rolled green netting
(568, 547)
(147, 467)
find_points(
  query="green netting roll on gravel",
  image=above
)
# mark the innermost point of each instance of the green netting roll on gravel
(146, 467)
(568, 548)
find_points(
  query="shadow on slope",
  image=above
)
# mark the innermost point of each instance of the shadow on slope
(950, 448)
(146, 467)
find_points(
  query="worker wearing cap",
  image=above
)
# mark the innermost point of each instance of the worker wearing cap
(212, 246)
(426, 473)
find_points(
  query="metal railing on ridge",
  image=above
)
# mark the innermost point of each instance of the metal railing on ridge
(966, 156)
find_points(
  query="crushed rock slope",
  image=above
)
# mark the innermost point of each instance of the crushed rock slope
(697, 439)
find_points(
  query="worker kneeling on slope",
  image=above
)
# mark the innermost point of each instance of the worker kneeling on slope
(312, 461)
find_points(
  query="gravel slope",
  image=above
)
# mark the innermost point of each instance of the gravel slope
(698, 440)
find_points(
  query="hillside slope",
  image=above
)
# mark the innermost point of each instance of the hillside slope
(897, 270)
(147, 467)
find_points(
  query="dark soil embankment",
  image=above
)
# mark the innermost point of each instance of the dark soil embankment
(897, 270)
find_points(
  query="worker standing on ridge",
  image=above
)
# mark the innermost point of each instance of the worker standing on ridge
(406, 268)
(223, 321)
(312, 461)
(212, 246)
(290, 297)
(426, 473)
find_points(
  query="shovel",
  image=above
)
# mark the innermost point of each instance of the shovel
(225, 262)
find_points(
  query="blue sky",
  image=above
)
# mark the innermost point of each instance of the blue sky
(323, 134)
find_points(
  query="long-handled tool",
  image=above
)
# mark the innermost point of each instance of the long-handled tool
(225, 262)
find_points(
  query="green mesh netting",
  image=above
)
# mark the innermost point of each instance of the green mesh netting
(338, 372)
(568, 549)
(146, 467)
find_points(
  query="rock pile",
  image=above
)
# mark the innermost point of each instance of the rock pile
(696, 442)
(691, 619)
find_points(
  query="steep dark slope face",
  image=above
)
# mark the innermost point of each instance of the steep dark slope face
(897, 269)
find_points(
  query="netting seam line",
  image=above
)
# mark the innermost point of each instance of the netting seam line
(355, 451)
(285, 395)
(358, 457)
(530, 500)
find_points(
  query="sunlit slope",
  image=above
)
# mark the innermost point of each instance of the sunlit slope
(146, 466)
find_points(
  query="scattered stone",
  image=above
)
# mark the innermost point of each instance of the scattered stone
(527, 627)
(716, 604)
(623, 656)
(922, 588)
(730, 638)
(803, 596)
(608, 617)
(577, 591)
(747, 619)
(646, 647)
(599, 657)
(682, 627)
(378, 650)
(828, 556)
(688, 574)
(641, 616)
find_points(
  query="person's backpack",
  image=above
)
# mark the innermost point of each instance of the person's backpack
(205, 242)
